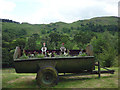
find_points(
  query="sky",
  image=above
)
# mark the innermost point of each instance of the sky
(50, 11)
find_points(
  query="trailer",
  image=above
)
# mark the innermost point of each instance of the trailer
(48, 68)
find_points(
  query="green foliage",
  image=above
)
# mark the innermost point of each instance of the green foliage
(76, 35)
(105, 49)
(18, 42)
(75, 47)
(5, 59)
(40, 56)
(54, 37)
(69, 45)
(31, 43)
(24, 56)
(82, 38)
(98, 44)
(116, 62)
(83, 54)
(107, 57)
(43, 32)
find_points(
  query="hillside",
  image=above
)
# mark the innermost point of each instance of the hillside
(60, 26)
(111, 20)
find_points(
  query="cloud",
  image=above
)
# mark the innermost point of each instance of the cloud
(48, 11)
(6, 7)
(72, 10)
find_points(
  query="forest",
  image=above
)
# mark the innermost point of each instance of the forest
(100, 32)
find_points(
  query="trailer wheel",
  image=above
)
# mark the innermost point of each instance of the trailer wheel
(47, 76)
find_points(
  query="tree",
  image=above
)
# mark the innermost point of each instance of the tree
(31, 43)
(18, 42)
(55, 38)
(66, 30)
(104, 48)
(64, 38)
(7, 59)
(83, 37)
(98, 44)
(108, 56)
(43, 32)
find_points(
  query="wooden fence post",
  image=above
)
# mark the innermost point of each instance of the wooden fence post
(98, 69)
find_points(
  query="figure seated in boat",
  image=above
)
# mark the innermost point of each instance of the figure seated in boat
(44, 49)
(63, 49)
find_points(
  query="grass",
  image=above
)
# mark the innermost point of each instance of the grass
(10, 79)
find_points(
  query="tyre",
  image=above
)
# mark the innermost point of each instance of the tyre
(47, 77)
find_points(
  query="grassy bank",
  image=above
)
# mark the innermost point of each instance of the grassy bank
(10, 79)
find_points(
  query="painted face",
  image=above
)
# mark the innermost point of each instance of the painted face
(43, 44)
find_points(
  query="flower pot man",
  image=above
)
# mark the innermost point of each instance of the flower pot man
(63, 49)
(44, 49)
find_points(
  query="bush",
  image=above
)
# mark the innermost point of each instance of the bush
(40, 56)
(83, 54)
(24, 57)
(107, 57)
(115, 64)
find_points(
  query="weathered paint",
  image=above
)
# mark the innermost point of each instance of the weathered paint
(68, 64)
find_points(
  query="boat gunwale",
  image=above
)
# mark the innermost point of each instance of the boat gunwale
(54, 58)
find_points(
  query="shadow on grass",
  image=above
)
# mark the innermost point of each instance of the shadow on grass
(74, 78)
(33, 83)
(26, 84)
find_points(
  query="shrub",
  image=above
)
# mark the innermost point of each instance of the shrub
(107, 57)
(24, 57)
(82, 54)
(40, 56)
(115, 64)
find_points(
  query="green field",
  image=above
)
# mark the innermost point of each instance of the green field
(10, 79)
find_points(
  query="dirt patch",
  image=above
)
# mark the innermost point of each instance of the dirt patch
(80, 76)
(105, 74)
(28, 78)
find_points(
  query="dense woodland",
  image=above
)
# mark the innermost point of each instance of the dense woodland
(100, 32)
